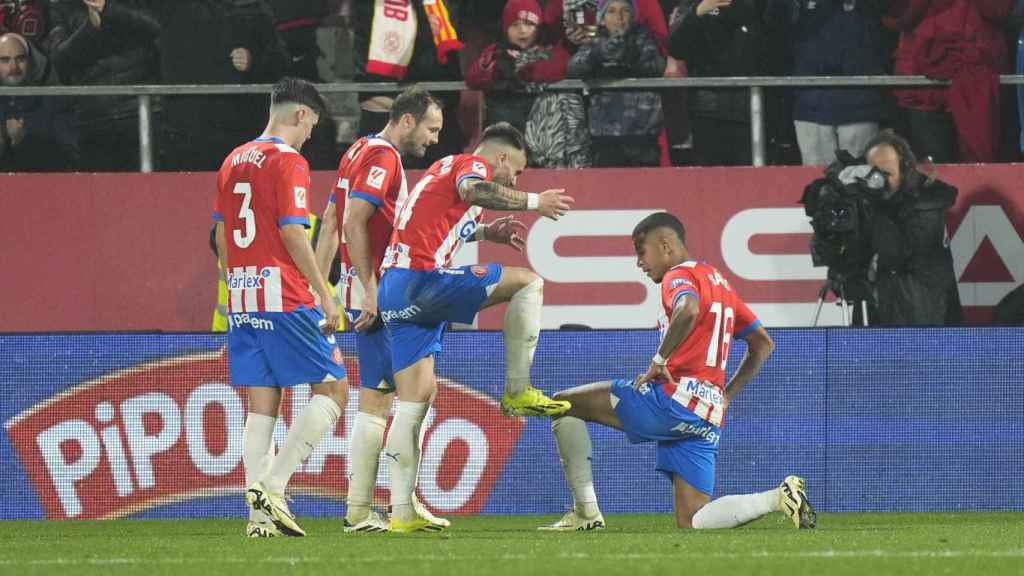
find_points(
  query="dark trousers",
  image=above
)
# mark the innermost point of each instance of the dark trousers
(625, 151)
(721, 142)
(932, 136)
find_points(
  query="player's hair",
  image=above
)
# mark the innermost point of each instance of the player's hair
(297, 91)
(504, 133)
(413, 100)
(659, 220)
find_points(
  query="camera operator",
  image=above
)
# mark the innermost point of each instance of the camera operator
(915, 284)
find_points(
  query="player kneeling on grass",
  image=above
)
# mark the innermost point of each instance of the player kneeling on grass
(277, 335)
(680, 402)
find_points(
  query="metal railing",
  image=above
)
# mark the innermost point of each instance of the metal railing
(755, 84)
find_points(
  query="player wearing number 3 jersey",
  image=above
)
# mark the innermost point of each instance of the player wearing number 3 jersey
(277, 336)
(681, 401)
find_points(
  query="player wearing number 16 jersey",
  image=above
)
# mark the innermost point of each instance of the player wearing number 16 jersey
(681, 401)
(277, 336)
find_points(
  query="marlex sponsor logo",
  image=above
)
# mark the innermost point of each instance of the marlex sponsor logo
(171, 430)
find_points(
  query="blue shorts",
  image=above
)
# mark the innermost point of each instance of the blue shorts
(374, 350)
(418, 305)
(281, 349)
(687, 445)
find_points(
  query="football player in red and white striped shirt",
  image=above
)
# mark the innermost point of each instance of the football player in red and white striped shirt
(420, 293)
(681, 401)
(370, 186)
(277, 336)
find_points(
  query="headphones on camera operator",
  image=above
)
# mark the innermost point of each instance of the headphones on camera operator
(841, 206)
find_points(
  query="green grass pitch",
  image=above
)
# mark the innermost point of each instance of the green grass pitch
(871, 544)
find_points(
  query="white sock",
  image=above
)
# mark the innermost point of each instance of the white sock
(736, 510)
(403, 454)
(257, 451)
(574, 449)
(363, 460)
(316, 419)
(521, 331)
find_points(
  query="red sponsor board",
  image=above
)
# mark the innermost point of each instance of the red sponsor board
(171, 430)
(130, 252)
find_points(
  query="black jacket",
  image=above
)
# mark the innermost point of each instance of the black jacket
(834, 38)
(916, 283)
(123, 51)
(196, 42)
(733, 43)
(50, 141)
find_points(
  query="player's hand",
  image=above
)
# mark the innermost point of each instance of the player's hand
(368, 315)
(712, 6)
(331, 316)
(505, 230)
(15, 131)
(554, 203)
(657, 372)
(241, 59)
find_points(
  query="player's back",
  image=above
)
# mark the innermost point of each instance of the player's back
(263, 185)
(435, 221)
(370, 170)
(722, 315)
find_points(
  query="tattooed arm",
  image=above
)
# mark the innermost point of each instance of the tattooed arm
(478, 192)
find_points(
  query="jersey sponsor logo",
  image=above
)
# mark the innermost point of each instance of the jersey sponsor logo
(407, 313)
(679, 282)
(255, 322)
(171, 431)
(705, 392)
(479, 168)
(376, 177)
(451, 271)
(246, 281)
(705, 431)
(468, 229)
(300, 197)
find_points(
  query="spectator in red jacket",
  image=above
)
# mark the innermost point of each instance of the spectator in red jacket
(962, 41)
(511, 71)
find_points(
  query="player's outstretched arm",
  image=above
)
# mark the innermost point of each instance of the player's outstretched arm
(327, 242)
(297, 244)
(759, 347)
(684, 318)
(486, 194)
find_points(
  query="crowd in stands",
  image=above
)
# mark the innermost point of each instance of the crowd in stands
(508, 52)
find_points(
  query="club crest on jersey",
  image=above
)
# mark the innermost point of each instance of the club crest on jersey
(376, 177)
(337, 357)
(478, 271)
(479, 168)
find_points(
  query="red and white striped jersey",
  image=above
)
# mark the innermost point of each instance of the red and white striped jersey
(263, 185)
(435, 221)
(371, 171)
(698, 363)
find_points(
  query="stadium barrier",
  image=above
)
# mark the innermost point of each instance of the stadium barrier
(755, 84)
(144, 425)
(130, 251)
